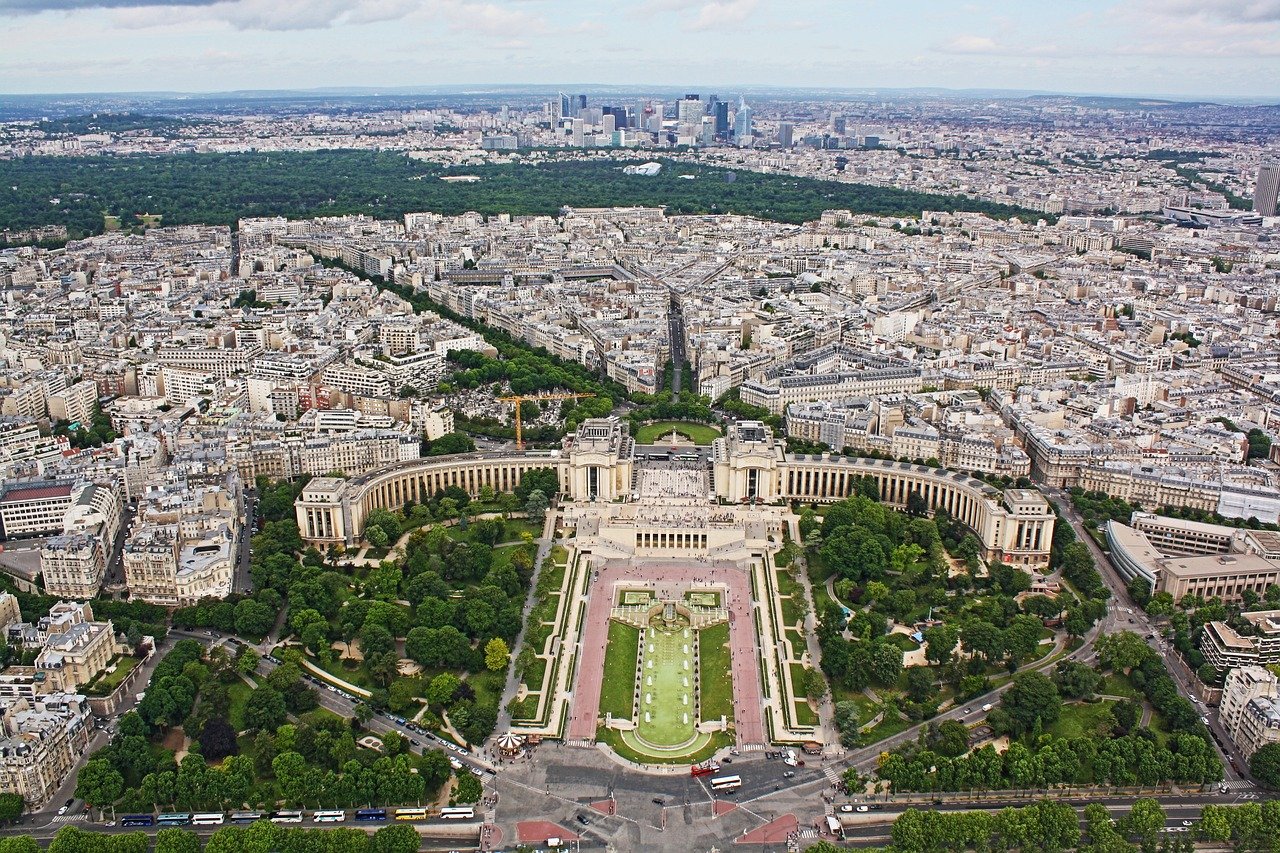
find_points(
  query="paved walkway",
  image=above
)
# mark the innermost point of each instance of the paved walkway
(826, 708)
(744, 661)
(530, 601)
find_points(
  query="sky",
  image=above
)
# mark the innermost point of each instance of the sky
(1187, 48)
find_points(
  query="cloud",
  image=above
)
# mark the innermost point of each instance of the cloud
(20, 7)
(492, 19)
(1219, 29)
(272, 15)
(968, 44)
(724, 13)
(1227, 11)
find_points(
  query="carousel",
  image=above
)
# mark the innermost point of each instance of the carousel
(510, 745)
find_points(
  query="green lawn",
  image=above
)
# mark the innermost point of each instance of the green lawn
(1117, 685)
(619, 671)
(891, 725)
(903, 642)
(239, 692)
(347, 670)
(314, 717)
(106, 682)
(666, 714)
(805, 716)
(788, 585)
(377, 553)
(697, 433)
(791, 611)
(1079, 719)
(487, 685)
(713, 662)
(613, 739)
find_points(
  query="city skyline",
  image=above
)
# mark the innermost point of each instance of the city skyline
(1175, 49)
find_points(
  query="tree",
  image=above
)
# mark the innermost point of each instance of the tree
(1145, 819)
(375, 639)
(265, 709)
(443, 688)
(218, 739)
(11, 806)
(1123, 650)
(536, 505)
(940, 642)
(920, 683)
(885, 663)
(1076, 680)
(469, 789)
(99, 783)
(174, 840)
(253, 618)
(395, 839)
(951, 739)
(376, 535)
(496, 654)
(450, 443)
(1264, 764)
(1022, 638)
(1030, 701)
(247, 660)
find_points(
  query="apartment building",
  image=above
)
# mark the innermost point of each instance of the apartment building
(1250, 708)
(73, 564)
(40, 742)
(74, 404)
(34, 508)
(71, 651)
(151, 562)
(1225, 648)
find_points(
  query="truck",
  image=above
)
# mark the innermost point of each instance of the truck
(789, 757)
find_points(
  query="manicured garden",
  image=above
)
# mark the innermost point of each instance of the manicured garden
(714, 665)
(617, 692)
(699, 434)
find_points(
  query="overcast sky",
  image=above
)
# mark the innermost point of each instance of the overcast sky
(1200, 48)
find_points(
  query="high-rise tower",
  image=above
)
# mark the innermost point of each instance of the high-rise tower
(1267, 192)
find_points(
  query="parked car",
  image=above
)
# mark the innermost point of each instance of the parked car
(846, 808)
(864, 808)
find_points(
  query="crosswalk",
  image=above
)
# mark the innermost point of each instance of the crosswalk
(832, 773)
(1237, 785)
(70, 818)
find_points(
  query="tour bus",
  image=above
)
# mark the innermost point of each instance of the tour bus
(138, 820)
(290, 816)
(458, 813)
(207, 819)
(333, 816)
(411, 814)
(174, 819)
(726, 783)
(834, 827)
(371, 814)
(246, 817)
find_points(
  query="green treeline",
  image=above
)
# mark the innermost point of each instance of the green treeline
(221, 188)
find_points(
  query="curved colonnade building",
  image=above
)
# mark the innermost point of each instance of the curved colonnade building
(748, 466)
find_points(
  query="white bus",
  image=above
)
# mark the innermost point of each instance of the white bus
(286, 817)
(336, 816)
(458, 813)
(207, 819)
(726, 783)
(834, 826)
(411, 814)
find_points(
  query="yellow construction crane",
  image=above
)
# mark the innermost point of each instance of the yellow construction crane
(520, 398)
